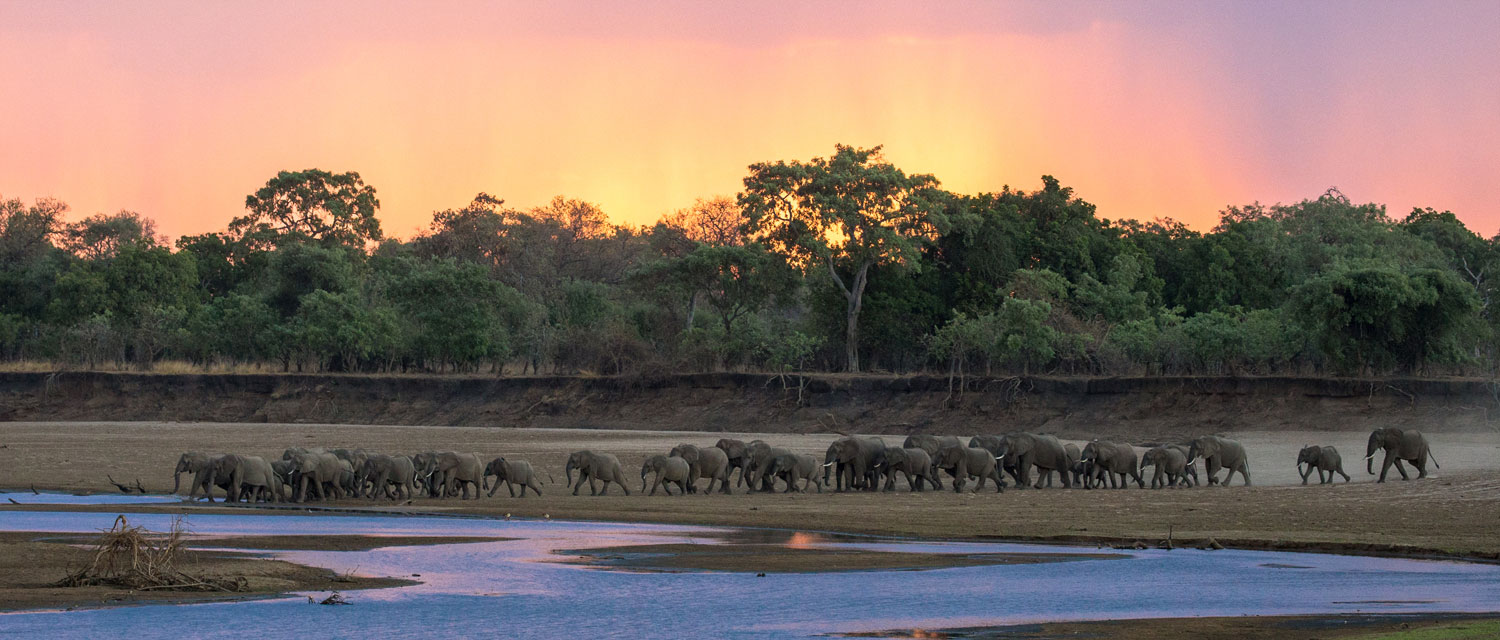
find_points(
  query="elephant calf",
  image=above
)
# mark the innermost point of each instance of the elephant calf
(710, 462)
(1114, 460)
(594, 467)
(793, 467)
(913, 462)
(1323, 460)
(382, 472)
(668, 469)
(511, 472)
(1171, 466)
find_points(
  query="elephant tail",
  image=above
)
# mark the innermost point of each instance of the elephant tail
(550, 479)
(1433, 458)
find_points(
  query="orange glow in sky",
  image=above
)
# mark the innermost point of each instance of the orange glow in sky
(179, 111)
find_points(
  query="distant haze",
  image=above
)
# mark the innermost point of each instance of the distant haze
(178, 110)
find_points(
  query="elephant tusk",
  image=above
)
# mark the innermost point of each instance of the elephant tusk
(827, 465)
(1369, 456)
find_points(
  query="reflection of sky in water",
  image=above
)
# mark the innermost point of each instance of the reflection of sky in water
(499, 589)
(27, 497)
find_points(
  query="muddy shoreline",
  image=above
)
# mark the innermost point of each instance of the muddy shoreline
(31, 563)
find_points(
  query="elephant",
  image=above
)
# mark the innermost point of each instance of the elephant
(711, 463)
(832, 466)
(738, 454)
(1220, 452)
(207, 477)
(914, 463)
(190, 462)
(761, 454)
(930, 444)
(348, 481)
(512, 473)
(993, 445)
(293, 451)
(595, 466)
(1114, 459)
(667, 470)
(1170, 463)
(459, 472)
(856, 455)
(963, 462)
(1073, 455)
(382, 472)
(1190, 471)
(313, 471)
(355, 457)
(793, 467)
(285, 470)
(1321, 459)
(246, 473)
(1399, 445)
(1025, 450)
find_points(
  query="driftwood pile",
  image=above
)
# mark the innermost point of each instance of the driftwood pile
(135, 558)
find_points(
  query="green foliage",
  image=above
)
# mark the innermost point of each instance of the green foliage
(310, 206)
(838, 262)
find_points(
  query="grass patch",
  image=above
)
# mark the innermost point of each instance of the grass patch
(1466, 630)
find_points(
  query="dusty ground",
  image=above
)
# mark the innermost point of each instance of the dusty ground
(1454, 513)
(32, 563)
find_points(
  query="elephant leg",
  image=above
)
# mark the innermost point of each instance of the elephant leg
(577, 485)
(1421, 465)
(1402, 469)
(1340, 469)
(1385, 466)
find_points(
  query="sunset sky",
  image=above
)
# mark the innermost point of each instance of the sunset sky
(178, 110)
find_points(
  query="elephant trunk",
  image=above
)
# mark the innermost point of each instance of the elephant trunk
(568, 472)
(176, 481)
(1370, 452)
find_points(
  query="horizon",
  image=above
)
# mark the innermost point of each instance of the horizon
(178, 111)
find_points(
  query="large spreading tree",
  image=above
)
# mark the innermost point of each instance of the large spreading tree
(331, 209)
(845, 214)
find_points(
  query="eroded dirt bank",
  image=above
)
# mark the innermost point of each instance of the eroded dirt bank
(1070, 407)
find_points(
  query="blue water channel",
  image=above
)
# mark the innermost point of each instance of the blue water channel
(522, 588)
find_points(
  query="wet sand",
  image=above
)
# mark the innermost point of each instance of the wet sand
(760, 558)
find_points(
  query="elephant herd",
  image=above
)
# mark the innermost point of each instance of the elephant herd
(850, 463)
(318, 474)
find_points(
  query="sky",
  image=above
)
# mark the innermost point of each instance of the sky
(1147, 109)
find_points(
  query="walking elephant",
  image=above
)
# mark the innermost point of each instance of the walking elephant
(668, 470)
(1220, 452)
(512, 473)
(190, 462)
(856, 454)
(792, 467)
(755, 474)
(383, 473)
(737, 452)
(1114, 459)
(914, 463)
(966, 462)
(460, 471)
(315, 471)
(1170, 464)
(930, 444)
(711, 463)
(594, 467)
(1320, 459)
(1025, 450)
(1399, 445)
(250, 474)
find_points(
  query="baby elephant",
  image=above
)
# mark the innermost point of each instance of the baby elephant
(511, 472)
(1324, 460)
(1171, 466)
(668, 470)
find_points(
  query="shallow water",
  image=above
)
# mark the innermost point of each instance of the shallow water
(518, 588)
(27, 497)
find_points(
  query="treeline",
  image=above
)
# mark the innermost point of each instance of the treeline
(844, 263)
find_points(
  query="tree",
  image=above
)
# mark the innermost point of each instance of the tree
(101, 237)
(846, 214)
(717, 221)
(331, 209)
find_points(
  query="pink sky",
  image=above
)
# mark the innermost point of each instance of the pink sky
(178, 110)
